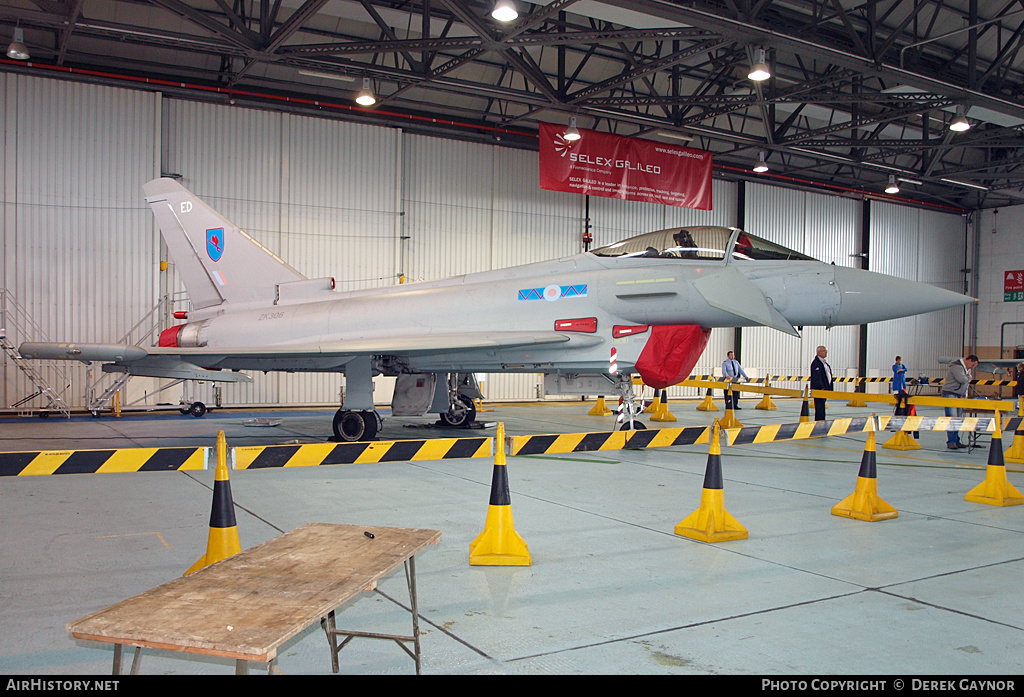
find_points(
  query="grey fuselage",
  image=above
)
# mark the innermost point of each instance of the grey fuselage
(615, 291)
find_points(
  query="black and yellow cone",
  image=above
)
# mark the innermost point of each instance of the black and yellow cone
(730, 420)
(996, 490)
(499, 544)
(864, 503)
(655, 407)
(663, 414)
(766, 402)
(857, 400)
(805, 414)
(707, 404)
(1015, 453)
(223, 538)
(901, 440)
(600, 409)
(711, 522)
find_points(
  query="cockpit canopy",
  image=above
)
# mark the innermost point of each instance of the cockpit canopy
(700, 242)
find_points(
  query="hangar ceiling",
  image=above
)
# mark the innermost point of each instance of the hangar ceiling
(861, 90)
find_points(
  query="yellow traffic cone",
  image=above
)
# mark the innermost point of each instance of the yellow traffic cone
(655, 407)
(996, 490)
(663, 413)
(223, 539)
(707, 404)
(766, 402)
(600, 409)
(1015, 453)
(730, 420)
(499, 544)
(857, 400)
(711, 522)
(864, 503)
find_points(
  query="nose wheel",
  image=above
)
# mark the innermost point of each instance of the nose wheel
(351, 426)
(460, 414)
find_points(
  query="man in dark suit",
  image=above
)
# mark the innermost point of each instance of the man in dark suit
(821, 379)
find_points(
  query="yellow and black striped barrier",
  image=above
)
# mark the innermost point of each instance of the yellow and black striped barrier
(43, 462)
(314, 454)
(697, 435)
(611, 440)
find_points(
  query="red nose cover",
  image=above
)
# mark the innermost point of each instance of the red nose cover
(670, 354)
(169, 336)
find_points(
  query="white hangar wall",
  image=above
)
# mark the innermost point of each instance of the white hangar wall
(79, 247)
(826, 228)
(926, 246)
(1000, 250)
(366, 205)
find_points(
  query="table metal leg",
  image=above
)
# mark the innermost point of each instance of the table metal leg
(411, 578)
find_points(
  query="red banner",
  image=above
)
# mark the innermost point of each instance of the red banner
(603, 164)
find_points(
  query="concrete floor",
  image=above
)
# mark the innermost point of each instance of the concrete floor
(612, 589)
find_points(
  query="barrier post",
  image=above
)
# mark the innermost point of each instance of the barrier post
(996, 490)
(222, 541)
(766, 400)
(730, 420)
(864, 503)
(664, 414)
(711, 522)
(857, 400)
(707, 404)
(499, 544)
(600, 409)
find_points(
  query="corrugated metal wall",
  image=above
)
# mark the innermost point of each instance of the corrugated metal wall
(79, 246)
(924, 246)
(337, 199)
(824, 227)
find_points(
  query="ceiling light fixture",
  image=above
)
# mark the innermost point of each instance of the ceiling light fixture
(677, 136)
(761, 165)
(759, 70)
(892, 188)
(327, 76)
(18, 50)
(572, 133)
(504, 11)
(365, 96)
(960, 122)
(979, 187)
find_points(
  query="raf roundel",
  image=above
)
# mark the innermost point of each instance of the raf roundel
(552, 293)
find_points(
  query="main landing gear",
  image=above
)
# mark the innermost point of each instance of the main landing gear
(351, 426)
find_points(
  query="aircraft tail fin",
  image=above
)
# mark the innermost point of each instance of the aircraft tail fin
(217, 261)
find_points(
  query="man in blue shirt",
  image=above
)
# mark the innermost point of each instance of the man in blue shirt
(899, 376)
(732, 370)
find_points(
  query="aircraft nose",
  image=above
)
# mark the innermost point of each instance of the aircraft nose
(866, 296)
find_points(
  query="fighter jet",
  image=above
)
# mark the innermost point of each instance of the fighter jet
(645, 305)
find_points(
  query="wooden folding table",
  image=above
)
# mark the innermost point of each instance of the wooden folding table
(247, 605)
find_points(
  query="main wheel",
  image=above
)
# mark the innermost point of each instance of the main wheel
(352, 426)
(637, 426)
(460, 415)
(197, 409)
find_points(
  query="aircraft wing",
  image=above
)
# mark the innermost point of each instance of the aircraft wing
(986, 365)
(182, 362)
